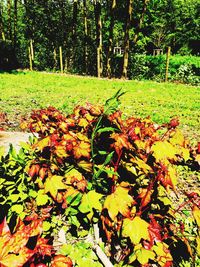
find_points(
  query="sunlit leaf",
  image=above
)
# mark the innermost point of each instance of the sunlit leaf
(196, 214)
(82, 150)
(89, 202)
(53, 184)
(121, 141)
(119, 201)
(177, 138)
(42, 198)
(163, 254)
(40, 145)
(17, 208)
(86, 165)
(143, 255)
(61, 261)
(163, 150)
(136, 229)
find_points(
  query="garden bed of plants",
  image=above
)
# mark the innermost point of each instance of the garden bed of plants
(94, 189)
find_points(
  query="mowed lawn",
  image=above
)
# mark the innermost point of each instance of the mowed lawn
(21, 92)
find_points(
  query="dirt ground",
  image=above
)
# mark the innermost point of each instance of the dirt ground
(14, 138)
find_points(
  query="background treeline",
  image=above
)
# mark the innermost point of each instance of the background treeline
(111, 38)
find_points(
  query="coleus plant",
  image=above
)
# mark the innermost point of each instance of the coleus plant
(95, 168)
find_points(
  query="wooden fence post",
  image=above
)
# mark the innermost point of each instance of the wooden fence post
(61, 59)
(167, 63)
(31, 54)
(30, 59)
(31, 49)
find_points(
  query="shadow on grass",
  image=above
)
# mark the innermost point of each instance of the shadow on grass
(15, 72)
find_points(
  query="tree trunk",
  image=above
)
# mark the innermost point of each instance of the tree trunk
(73, 36)
(110, 47)
(126, 38)
(63, 42)
(97, 8)
(85, 36)
(15, 24)
(141, 20)
(9, 19)
(2, 34)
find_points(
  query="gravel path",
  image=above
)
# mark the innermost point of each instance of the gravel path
(14, 138)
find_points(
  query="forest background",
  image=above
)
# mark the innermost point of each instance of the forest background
(109, 38)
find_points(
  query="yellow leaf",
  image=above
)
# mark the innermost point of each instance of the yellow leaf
(119, 201)
(198, 245)
(177, 138)
(60, 151)
(163, 150)
(172, 176)
(42, 143)
(141, 165)
(89, 202)
(82, 150)
(136, 229)
(196, 214)
(86, 165)
(143, 255)
(16, 260)
(53, 184)
(184, 152)
(82, 137)
(83, 122)
(163, 253)
(140, 144)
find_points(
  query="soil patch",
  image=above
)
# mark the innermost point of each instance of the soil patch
(14, 138)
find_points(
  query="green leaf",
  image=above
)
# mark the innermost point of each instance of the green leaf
(42, 198)
(112, 103)
(74, 201)
(106, 129)
(90, 201)
(108, 158)
(14, 197)
(17, 208)
(2, 151)
(46, 226)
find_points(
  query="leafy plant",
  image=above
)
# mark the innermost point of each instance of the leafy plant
(103, 183)
(16, 249)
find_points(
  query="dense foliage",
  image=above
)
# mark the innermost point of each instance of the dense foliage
(93, 188)
(92, 31)
(185, 69)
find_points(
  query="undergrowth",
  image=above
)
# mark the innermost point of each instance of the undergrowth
(94, 189)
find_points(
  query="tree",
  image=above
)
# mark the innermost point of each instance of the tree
(126, 38)
(97, 9)
(15, 24)
(140, 21)
(110, 47)
(9, 19)
(85, 36)
(2, 34)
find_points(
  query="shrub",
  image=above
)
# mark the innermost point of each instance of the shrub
(181, 68)
(101, 186)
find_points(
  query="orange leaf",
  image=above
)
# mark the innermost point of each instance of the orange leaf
(121, 141)
(82, 150)
(119, 201)
(61, 261)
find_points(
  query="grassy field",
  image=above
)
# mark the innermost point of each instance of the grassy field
(21, 92)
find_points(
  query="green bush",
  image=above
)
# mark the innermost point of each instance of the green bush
(184, 69)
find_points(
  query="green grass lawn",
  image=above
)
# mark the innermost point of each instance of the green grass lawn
(21, 92)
